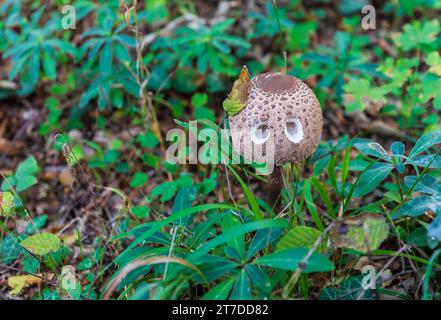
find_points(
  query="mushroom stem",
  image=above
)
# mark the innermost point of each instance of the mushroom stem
(275, 187)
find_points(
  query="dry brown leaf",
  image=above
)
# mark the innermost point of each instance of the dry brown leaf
(17, 283)
(70, 238)
(8, 147)
(66, 177)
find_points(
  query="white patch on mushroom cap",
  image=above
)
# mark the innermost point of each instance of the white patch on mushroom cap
(294, 130)
(260, 133)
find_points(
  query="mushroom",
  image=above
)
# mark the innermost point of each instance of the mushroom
(280, 105)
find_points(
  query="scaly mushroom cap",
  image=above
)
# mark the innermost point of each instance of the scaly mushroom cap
(282, 105)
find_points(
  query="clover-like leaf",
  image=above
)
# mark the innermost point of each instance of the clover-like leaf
(294, 259)
(417, 34)
(361, 93)
(434, 61)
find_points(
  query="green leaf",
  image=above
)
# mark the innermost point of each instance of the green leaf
(262, 239)
(184, 199)
(25, 182)
(425, 184)
(106, 59)
(242, 288)
(38, 222)
(425, 142)
(50, 295)
(428, 273)
(27, 167)
(25, 174)
(139, 179)
(166, 190)
(362, 92)
(148, 140)
(371, 178)
(430, 161)
(42, 243)
(434, 230)
(117, 98)
(140, 211)
(419, 206)
(199, 99)
(203, 113)
(9, 249)
(299, 237)
(350, 289)
(236, 232)
(372, 149)
(259, 279)
(230, 221)
(363, 233)
(248, 194)
(209, 184)
(221, 291)
(49, 65)
(318, 186)
(434, 61)
(213, 267)
(290, 259)
(311, 205)
(157, 225)
(30, 263)
(397, 148)
(418, 33)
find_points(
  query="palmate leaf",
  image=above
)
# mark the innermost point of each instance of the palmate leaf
(237, 231)
(242, 288)
(291, 259)
(262, 239)
(362, 92)
(238, 243)
(213, 267)
(184, 199)
(259, 279)
(42, 243)
(221, 291)
(418, 33)
(363, 233)
(434, 61)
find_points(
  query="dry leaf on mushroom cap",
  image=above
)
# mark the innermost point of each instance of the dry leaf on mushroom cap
(280, 107)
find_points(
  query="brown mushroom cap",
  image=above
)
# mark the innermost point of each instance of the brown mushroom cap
(282, 105)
